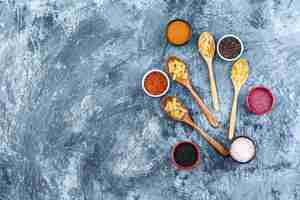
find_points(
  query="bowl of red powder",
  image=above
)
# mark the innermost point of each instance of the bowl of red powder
(185, 155)
(156, 83)
(260, 100)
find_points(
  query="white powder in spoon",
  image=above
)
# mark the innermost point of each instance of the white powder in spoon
(242, 149)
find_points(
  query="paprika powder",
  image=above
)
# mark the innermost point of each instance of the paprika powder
(155, 83)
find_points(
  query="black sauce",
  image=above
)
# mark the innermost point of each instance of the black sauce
(185, 154)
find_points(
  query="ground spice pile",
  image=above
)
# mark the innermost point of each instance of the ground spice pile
(260, 100)
(178, 32)
(156, 83)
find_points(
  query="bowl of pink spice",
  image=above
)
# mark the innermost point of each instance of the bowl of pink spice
(260, 100)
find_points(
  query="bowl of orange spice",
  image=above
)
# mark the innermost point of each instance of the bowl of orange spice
(156, 83)
(178, 32)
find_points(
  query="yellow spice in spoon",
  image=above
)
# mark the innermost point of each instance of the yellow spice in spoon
(239, 75)
(177, 69)
(240, 71)
(206, 45)
(175, 108)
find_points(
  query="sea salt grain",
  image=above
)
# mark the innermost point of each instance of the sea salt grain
(242, 149)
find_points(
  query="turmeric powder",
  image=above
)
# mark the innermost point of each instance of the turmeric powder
(178, 32)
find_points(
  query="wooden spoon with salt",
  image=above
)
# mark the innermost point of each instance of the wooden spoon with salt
(206, 47)
(179, 72)
(176, 110)
(239, 76)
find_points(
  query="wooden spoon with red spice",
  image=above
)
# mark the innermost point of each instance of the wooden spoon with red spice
(179, 72)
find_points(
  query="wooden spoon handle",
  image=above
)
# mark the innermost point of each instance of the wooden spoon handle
(214, 143)
(211, 119)
(213, 88)
(233, 116)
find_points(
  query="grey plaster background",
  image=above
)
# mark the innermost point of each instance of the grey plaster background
(75, 124)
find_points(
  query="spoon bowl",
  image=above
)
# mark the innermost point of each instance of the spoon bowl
(239, 73)
(206, 46)
(163, 104)
(183, 78)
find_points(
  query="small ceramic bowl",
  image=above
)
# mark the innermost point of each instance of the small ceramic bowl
(260, 100)
(164, 74)
(171, 28)
(233, 152)
(181, 167)
(230, 59)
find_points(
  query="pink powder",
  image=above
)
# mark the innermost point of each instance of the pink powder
(260, 100)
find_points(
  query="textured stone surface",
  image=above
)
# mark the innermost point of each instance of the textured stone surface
(75, 124)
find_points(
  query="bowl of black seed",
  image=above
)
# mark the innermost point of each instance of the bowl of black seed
(185, 155)
(230, 47)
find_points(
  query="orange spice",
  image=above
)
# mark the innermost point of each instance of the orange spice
(155, 83)
(178, 32)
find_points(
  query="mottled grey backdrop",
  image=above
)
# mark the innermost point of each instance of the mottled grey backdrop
(76, 125)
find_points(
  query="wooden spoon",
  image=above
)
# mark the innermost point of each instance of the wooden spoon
(184, 116)
(206, 47)
(239, 75)
(179, 72)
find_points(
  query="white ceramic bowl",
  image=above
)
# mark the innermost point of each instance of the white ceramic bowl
(165, 75)
(234, 36)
